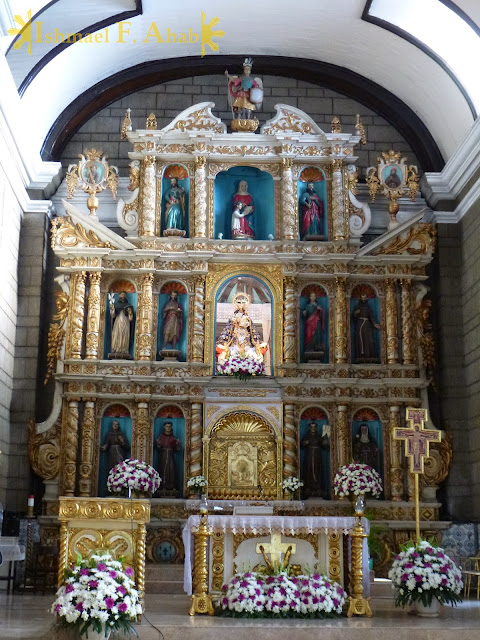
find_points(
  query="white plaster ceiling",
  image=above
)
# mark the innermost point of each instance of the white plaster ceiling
(322, 30)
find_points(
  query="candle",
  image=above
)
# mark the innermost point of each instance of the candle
(31, 501)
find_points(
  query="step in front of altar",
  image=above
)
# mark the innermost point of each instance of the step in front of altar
(164, 578)
(381, 589)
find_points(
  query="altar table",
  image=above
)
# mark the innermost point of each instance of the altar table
(232, 546)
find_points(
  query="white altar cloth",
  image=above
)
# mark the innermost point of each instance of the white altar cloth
(287, 525)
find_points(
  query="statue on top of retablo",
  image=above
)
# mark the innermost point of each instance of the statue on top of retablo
(245, 96)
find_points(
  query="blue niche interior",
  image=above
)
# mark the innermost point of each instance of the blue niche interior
(374, 304)
(178, 430)
(163, 298)
(106, 425)
(376, 434)
(132, 299)
(185, 184)
(321, 190)
(322, 302)
(325, 481)
(260, 187)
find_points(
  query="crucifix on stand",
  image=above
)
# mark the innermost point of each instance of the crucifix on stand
(276, 548)
(417, 443)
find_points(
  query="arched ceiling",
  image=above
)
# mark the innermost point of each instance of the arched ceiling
(53, 76)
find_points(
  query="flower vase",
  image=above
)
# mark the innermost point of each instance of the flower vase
(104, 634)
(428, 611)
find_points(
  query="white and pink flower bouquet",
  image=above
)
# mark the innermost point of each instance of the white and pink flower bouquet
(292, 484)
(422, 572)
(253, 595)
(133, 476)
(242, 368)
(98, 595)
(355, 478)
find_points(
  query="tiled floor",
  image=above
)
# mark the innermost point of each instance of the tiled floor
(26, 616)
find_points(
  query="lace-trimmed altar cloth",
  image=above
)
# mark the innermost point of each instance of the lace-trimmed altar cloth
(10, 549)
(286, 525)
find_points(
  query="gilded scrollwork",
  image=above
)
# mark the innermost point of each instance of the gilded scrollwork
(56, 333)
(437, 465)
(419, 240)
(44, 450)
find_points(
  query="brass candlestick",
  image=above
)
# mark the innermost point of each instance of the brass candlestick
(201, 599)
(359, 605)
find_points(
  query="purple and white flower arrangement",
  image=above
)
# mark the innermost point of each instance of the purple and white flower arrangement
(422, 572)
(253, 595)
(98, 595)
(242, 368)
(356, 478)
(134, 475)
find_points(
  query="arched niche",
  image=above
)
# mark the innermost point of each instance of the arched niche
(175, 205)
(315, 449)
(260, 311)
(243, 458)
(312, 204)
(261, 189)
(115, 442)
(365, 313)
(314, 324)
(171, 323)
(370, 452)
(161, 457)
(117, 290)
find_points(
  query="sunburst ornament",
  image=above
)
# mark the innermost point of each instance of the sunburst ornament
(93, 174)
(176, 171)
(311, 174)
(208, 34)
(169, 287)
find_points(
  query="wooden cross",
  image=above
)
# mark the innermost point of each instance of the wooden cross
(417, 447)
(276, 548)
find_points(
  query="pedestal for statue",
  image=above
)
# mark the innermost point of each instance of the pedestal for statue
(314, 356)
(170, 354)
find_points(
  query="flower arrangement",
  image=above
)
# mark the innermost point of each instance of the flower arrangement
(98, 595)
(253, 595)
(354, 479)
(197, 483)
(135, 475)
(242, 368)
(292, 484)
(422, 572)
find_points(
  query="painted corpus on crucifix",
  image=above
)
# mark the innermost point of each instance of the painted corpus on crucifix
(417, 438)
(276, 548)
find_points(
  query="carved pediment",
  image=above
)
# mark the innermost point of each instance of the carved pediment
(290, 120)
(197, 119)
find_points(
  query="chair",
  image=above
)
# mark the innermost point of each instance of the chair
(471, 572)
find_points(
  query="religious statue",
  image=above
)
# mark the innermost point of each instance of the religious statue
(314, 329)
(312, 214)
(167, 444)
(116, 445)
(172, 326)
(243, 206)
(122, 326)
(174, 209)
(365, 449)
(313, 473)
(240, 338)
(364, 336)
(245, 95)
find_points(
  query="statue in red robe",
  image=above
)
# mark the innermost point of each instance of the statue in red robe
(312, 214)
(243, 206)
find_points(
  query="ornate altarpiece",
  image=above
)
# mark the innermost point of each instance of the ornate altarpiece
(254, 422)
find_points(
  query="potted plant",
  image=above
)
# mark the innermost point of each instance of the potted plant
(292, 485)
(97, 597)
(424, 575)
(197, 485)
(357, 479)
(133, 478)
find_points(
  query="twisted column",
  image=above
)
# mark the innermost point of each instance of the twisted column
(340, 320)
(140, 568)
(289, 206)
(145, 320)
(93, 316)
(408, 324)
(396, 471)
(143, 435)
(200, 197)
(146, 223)
(196, 434)
(63, 553)
(391, 321)
(344, 450)
(70, 443)
(289, 321)
(289, 442)
(77, 310)
(85, 470)
(198, 334)
(338, 207)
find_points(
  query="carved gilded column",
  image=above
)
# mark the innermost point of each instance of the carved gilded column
(196, 434)
(69, 446)
(86, 450)
(145, 320)
(340, 320)
(146, 222)
(143, 433)
(396, 471)
(289, 442)
(198, 334)
(344, 450)
(200, 197)
(77, 300)
(289, 206)
(338, 206)
(391, 321)
(289, 323)
(93, 317)
(408, 323)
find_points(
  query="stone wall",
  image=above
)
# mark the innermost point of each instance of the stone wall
(169, 99)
